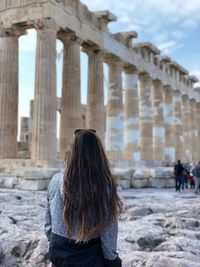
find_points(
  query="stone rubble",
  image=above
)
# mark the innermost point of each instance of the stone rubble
(159, 228)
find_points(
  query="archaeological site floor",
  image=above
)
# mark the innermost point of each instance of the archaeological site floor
(158, 228)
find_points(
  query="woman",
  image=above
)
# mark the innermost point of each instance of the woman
(83, 207)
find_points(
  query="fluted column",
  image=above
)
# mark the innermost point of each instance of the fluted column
(168, 122)
(95, 111)
(145, 113)
(193, 130)
(71, 100)
(114, 120)
(8, 94)
(198, 130)
(178, 125)
(158, 121)
(44, 114)
(131, 116)
(186, 128)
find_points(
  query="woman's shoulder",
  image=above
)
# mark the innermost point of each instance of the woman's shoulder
(56, 180)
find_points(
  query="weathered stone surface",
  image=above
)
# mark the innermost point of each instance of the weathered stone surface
(158, 228)
(139, 183)
(70, 101)
(131, 116)
(146, 119)
(114, 139)
(158, 121)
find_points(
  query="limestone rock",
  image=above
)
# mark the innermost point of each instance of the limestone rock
(159, 228)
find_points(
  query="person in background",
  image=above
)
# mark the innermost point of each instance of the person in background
(191, 180)
(196, 173)
(83, 208)
(178, 172)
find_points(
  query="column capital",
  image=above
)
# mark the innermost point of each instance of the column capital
(144, 76)
(69, 37)
(111, 59)
(42, 24)
(12, 32)
(185, 97)
(193, 101)
(177, 93)
(167, 88)
(92, 49)
(157, 82)
(130, 69)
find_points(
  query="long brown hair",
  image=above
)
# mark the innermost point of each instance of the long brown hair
(90, 196)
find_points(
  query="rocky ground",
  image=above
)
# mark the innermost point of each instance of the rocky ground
(159, 228)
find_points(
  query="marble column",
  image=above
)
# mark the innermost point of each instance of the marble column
(24, 129)
(168, 122)
(131, 116)
(71, 99)
(95, 111)
(186, 128)
(114, 141)
(178, 125)
(193, 130)
(198, 130)
(44, 114)
(8, 94)
(158, 121)
(145, 114)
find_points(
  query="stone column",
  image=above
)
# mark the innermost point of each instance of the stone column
(71, 100)
(44, 114)
(145, 113)
(8, 94)
(178, 125)
(186, 128)
(168, 122)
(198, 130)
(95, 111)
(114, 141)
(158, 122)
(193, 130)
(131, 116)
(24, 129)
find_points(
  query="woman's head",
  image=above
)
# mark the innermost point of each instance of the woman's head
(90, 196)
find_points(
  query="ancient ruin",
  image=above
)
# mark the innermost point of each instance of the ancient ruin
(155, 125)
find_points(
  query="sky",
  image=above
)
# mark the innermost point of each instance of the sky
(172, 25)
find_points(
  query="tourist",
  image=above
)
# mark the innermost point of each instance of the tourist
(191, 180)
(83, 207)
(178, 172)
(196, 173)
(184, 183)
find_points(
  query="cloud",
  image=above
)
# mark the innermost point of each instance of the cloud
(169, 20)
(190, 24)
(169, 46)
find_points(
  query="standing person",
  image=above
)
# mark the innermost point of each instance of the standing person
(83, 207)
(196, 173)
(178, 172)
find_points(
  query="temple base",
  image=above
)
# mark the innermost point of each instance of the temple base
(27, 174)
(30, 175)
